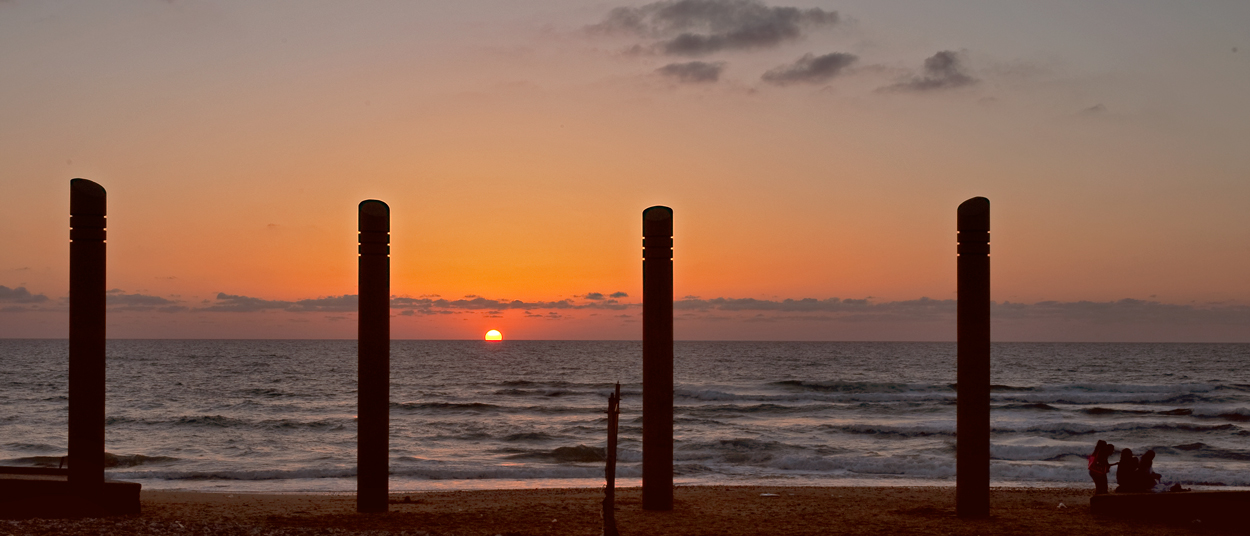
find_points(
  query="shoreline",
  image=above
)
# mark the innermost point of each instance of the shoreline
(475, 485)
(724, 510)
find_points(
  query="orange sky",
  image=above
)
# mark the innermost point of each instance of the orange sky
(518, 148)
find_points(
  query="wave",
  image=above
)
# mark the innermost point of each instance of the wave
(222, 421)
(134, 460)
(1203, 450)
(1051, 429)
(1236, 415)
(528, 436)
(1011, 395)
(1110, 411)
(578, 454)
(425, 471)
(37, 461)
(445, 406)
(905, 432)
(485, 408)
(33, 447)
(760, 463)
(857, 387)
(111, 460)
(267, 392)
(1036, 405)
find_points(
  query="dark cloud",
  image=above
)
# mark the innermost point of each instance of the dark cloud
(1094, 110)
(478, 303)
(1126, 311)
(697, 27)
(230, 303)
(839, 309)
(118, 300)
(694, 72)
(20, 295)
(1122, 312)
(344, 303)
(474, 303)
(943, 70)
(810, 69)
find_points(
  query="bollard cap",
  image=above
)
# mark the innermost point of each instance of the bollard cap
(657, 220)
(375, 216)
(86, 198)
(974, 215)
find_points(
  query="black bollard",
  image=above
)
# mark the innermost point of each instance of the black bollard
(657, 358)
(87, 203)
(374, 358)
(972, 429)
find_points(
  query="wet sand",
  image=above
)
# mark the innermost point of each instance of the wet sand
(698, 510)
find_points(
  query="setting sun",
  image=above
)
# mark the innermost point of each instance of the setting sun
(494, 335)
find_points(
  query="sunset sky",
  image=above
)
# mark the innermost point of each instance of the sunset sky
(813, 153)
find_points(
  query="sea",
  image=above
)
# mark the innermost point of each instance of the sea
(279, 415)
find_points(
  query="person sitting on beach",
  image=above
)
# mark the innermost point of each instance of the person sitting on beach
(1099, 466)
(1126, 475)
(1146, 477)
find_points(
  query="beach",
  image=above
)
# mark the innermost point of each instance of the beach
(722, 510)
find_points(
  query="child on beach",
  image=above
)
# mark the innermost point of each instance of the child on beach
(1126, 476)
(1099, 466)
(1146, 477)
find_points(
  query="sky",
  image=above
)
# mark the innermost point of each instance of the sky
(813, 153)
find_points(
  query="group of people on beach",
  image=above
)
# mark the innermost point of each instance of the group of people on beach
(1133, 474)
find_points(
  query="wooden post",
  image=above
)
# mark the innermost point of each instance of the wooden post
(374, 358)
(972, 429)
(609, 492)
(87, 203)
(657, 358)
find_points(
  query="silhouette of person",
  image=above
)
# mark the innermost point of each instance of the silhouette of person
(1099, 466)
(1126, 475)
(1146, 477)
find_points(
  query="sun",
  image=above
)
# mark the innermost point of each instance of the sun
(494, 335)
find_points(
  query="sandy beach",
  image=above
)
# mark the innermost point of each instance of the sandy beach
(722, 510)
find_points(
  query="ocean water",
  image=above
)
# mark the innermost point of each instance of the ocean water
(278, 415)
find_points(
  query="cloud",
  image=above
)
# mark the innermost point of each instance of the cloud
(699, 27)
(839, 309)
(1094, 110)
(810, 69)
(344, 303)
(1133, 313)
(943, 70)
(694, 72)
(20, 295)
(230, 303)
(1126, 311)
(118, 300)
